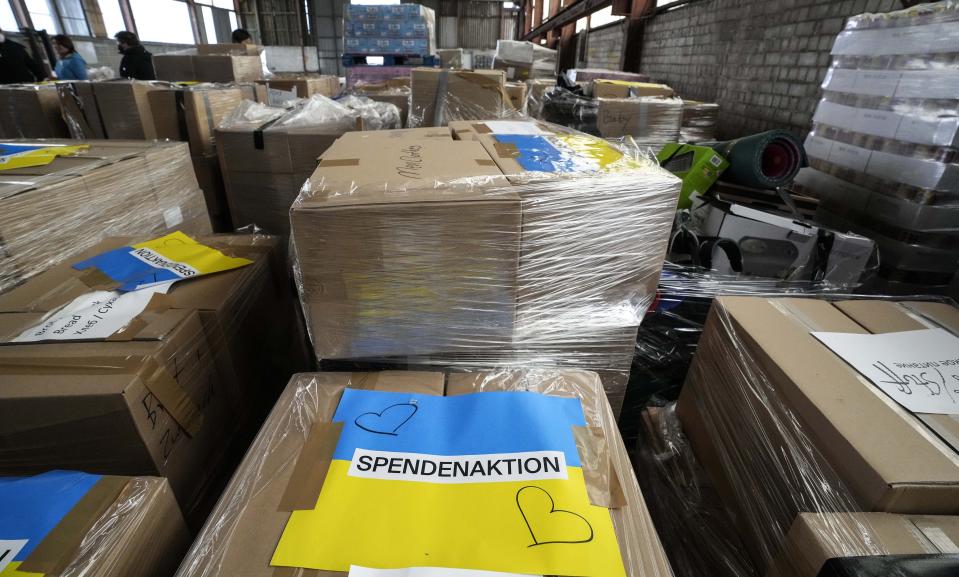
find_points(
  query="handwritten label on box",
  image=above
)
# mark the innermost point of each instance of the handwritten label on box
(918, 369)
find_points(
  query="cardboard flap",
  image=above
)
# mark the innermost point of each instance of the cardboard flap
(602, 481)
(309, 473)
(59, 547)
(424, 383)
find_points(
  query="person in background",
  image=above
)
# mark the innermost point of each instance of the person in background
(241, 36)
(16, 66)
(137, 62)
(71, 65)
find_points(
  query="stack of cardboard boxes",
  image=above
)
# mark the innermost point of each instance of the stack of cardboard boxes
(481, 248)
(51, 211)
(165, 394)
(30, 111)
(523, 61)
(402, 29)
(440, 95)
(211, 63)
(793, 436)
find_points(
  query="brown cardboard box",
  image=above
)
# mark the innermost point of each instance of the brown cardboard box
(226, 48)
(31, 111)
(115, 187)
(816, 433)
(227, 68)
(648, 120)
(373, 137)
(243, 532)
(276, 91)
(626, 89)
(210, 179)
(395, 91)
(208, 67)
(517, 95)
(174, 67)
(536, 95)
(80, 110)
(121, 527)
(263, 170)
(469, 95)
(815, 538)
(359, 191)
(471, 129)
(125, 108)
(159, 396)
(193, 114)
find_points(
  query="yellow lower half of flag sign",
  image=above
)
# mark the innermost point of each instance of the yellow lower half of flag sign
(537, 527)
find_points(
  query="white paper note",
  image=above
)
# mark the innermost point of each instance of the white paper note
(513, 127)
(356, 571)
(95, 315)
(918, 369)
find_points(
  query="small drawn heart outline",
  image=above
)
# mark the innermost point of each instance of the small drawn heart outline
(380, 414)
(552, 510)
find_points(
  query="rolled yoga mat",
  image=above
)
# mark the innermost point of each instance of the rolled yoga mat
(766, 160)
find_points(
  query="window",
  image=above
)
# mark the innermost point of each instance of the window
(374, 1)
(217, 16)
(8, 21)
(42, 16)
(112, 16)
(163, 21)
(603, 17)
(72, 17)
(581, 25)
(233, 22)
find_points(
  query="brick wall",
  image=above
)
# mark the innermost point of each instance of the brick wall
(603, 47)
(761, 60)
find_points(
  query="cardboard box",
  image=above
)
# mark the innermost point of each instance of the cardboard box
(227, 48)
(625, 89)
(192, 114)
(208, 67)
(359, 190)
(450, 57)
(799, 430)
(113, 188)
(818, 539)
(159, 396)
(31, 111)
(374, 137)
(698, 166)
(276, 91)
(468, 95)
(517, 95)
(120, 527)
(647, 120)
(778, 246)
(81, 112)
(210, 179)
(395, 91)
(241, 538)
(125, 109)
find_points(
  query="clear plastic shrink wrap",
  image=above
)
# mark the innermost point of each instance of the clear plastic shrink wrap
(812, 461)
(439, 96)
(267, 152)
(175, 391)
(118, 527)
(883, 150)
(699, 121)
(111, 188)
(516, 243)
(241, 63)
(286, 465)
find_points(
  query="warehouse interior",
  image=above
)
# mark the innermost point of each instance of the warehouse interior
(479, 288)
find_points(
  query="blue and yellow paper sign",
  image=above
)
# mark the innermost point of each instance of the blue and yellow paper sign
(487, 481)
(30, 508)
(27, 155)
(170, 258)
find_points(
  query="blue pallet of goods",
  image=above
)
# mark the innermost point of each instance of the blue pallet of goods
(392, 60)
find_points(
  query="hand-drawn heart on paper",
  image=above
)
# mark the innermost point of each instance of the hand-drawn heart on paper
(547, 524)
(388, 421)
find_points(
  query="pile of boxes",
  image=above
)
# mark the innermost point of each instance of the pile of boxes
(524, 60)
(49, 212)
(30, 111)
(211, 63)
(884, 142)
(497, 216)
(439, 96)
(401, 29)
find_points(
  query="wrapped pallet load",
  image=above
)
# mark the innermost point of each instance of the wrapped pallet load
(267, 153)
(30, 111)
(147, 356)
(438, 480)
(518, 243)
(58, 197)
(62, 523)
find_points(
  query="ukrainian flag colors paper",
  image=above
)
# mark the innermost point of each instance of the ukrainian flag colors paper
(31, 507)
(173, 257)
(27, 155)
(487, 481)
